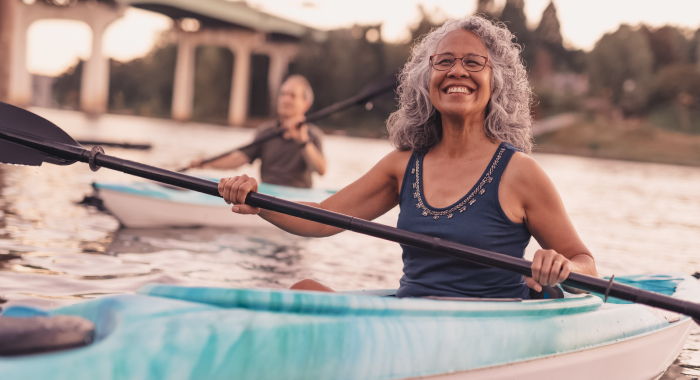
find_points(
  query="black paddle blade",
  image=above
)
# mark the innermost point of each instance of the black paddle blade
(16, 119)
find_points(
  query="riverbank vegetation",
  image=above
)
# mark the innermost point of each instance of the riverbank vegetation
(633, 140)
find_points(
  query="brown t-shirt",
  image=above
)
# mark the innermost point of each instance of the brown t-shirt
(282, 162)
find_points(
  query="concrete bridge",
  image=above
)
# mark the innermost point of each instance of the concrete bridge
(233, 25)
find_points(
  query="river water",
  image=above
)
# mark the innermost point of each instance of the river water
(634, 217)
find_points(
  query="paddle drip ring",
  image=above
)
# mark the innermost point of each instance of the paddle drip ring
(93, 152)
(607, 290)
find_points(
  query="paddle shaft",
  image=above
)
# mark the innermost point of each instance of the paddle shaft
(116, 144)
(459, 251)
(315, 116)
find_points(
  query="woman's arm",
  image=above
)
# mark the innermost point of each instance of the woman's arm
(528, 195)
(372, 195)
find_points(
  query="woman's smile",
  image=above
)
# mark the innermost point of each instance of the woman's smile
(455, 89)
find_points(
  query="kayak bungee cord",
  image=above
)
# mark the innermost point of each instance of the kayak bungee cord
(49, 143)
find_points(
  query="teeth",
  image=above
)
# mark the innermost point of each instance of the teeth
(463, 90)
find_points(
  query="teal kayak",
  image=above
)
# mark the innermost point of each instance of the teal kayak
(174, 332)
(149, 204)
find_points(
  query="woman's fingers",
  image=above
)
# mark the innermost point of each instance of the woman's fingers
(234, 191)
(549, 267)
(240, 189)
(554, 272)
(222, 184)
(225, 188)
(547, 259)
(231, 188)
(536, 266)
(533, 284)
(565, 271)
(245, 209)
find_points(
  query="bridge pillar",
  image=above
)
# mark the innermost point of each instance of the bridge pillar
(20, 88)
(243, 44)
(240, 86)
(280, 56)
(278, 69)
(94, 86)
(7, 17)
(94, 83)
(183, 89)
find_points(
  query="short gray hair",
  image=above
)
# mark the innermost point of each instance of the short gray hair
(417, 125)
(308, 91)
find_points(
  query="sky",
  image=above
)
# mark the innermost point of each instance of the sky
(55, 45)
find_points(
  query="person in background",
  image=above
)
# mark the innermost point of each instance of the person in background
(290, 159)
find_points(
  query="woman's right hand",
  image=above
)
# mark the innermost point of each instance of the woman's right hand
(234, 191)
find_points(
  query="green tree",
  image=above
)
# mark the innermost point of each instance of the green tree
(486, 8)
(340, 66)
(619, 57)
(212, 89)
(143, 86)
(669, 46)
(66, 88)
(673, 80)
(548, 37)
(513, 16)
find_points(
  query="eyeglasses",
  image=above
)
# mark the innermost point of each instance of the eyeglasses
(470, 62)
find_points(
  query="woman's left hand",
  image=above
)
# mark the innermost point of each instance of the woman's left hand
(548, 268)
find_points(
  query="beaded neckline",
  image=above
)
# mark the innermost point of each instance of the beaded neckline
(462, 205)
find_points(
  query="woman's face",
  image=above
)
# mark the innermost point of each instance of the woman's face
(457, 92)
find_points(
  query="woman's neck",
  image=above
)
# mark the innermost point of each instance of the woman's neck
(461, 137)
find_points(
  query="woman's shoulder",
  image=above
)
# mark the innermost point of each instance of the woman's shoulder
(398, 157)
(523, 170)
(395, 162)
(526, 177)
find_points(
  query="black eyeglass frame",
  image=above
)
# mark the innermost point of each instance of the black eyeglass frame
(462, 60)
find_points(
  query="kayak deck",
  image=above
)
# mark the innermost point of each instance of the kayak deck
(180, 332)
(149, 205)
(156, 191)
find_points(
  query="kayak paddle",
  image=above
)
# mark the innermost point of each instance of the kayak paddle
(28, 139)
(364, 96)
(116, 144)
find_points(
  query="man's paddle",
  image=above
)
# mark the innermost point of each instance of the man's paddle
(28, 139)
(116, 144)
(368, 93)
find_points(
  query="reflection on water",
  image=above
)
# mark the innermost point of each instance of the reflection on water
(636, 218)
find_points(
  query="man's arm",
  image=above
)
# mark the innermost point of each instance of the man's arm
(314, 158)
(311, 138)
(232, 161)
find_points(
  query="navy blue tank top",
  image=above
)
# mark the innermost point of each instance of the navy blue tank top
(476, 220)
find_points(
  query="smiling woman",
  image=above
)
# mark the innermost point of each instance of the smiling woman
(459, 173)
(416, 125)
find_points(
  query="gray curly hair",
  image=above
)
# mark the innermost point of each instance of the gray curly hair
(417, 125)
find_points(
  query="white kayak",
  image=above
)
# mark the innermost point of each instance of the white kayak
(174, 332)
(149, 205)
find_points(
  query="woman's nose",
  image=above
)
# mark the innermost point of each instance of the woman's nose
(458, 70)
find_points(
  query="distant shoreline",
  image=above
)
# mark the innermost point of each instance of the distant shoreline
(627, 140)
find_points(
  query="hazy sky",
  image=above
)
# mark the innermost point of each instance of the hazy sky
(55, 45)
